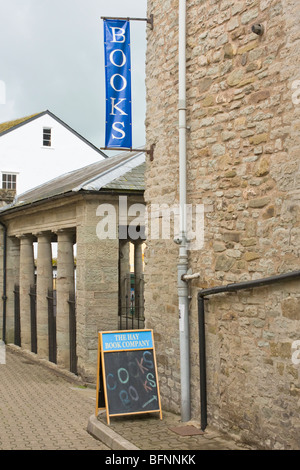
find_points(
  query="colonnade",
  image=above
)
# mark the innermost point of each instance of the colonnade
(65, 286)
(28, 272)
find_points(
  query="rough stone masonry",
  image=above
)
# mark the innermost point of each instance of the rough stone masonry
(243, 147)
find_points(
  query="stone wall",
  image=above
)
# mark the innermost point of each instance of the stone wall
(97, 285)
(6, 196)
(243, 141)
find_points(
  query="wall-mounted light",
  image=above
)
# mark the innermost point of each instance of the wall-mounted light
(258, 29)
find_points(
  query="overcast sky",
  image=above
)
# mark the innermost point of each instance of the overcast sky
(52, 57)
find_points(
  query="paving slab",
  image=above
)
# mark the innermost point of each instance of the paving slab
(149, 432)
(42, 408)
(45, 408)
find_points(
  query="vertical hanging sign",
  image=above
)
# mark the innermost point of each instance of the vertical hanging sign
(118, 131)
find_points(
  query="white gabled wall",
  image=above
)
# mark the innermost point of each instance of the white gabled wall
(22, 151)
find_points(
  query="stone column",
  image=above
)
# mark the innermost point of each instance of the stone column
(26, 280)
(64, 287)
(43, 285)
(13, 266)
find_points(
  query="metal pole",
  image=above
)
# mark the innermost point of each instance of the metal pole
(148, 20)
(183, 257)
(202, 362)
(4, 297)
(249, 284)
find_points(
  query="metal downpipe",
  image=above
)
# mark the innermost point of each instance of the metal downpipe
(183, 257)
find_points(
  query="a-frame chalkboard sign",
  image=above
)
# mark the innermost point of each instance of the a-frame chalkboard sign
(127, 381)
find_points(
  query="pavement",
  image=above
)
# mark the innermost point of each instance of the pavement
(45, 408)
(42, 409)
(149, 432)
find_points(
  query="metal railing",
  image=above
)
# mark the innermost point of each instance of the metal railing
(72, 332)
(52, 325)
(131, 304)
(17, 322)
(201, 323)
(33, 327)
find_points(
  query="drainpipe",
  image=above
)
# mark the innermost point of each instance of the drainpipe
(4, 298)
(183, 256)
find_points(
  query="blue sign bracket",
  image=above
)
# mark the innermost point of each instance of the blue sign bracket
(148, 20)
(150, 151)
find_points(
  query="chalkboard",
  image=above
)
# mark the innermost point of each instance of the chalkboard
(127, 382)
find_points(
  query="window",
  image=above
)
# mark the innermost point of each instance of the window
(46, 137)
(9, 181)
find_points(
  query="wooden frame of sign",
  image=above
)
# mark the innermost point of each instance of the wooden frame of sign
(127, 381)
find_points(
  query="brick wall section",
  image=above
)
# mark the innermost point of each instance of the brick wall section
(243, 165)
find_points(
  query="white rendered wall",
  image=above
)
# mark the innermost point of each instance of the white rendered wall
(22, 151)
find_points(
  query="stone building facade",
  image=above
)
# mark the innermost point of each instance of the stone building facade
(243, 143)
(70, 210)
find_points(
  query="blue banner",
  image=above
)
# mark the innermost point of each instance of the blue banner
(118, 129)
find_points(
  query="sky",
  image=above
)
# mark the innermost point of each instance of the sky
(52, 57)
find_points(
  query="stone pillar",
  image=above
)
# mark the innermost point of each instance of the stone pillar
(64, 287)
(43, 285)
(139, 282)
(26, 280)
(97, 284)
(13, 265)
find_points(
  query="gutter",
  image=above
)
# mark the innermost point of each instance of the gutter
(201, 324)
(23, 206)
(28, 205)
(4, 297)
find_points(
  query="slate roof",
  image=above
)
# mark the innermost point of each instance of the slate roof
(10, 126)
(121, 173)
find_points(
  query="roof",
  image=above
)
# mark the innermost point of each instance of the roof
(121, 173)
(10, 126)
